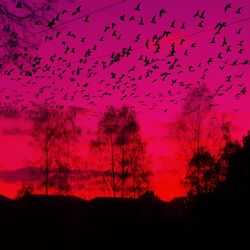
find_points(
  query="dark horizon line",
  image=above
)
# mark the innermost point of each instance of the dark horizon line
(79, 198)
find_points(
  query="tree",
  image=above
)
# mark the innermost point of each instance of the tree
(107, 131)
(127, 135)
(194, 128)
(56, 134)
(236, 160)
(44, 133)
(149, 195)
(138, 167)
(202, 175)
(119, 145)
(25, 189)
(201, 135)
(65, 154)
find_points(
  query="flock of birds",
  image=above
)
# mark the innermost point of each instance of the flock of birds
(151, 73)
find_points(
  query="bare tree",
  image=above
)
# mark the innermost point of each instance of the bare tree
(56, 133)
(194, 127)
(44, 133)
(65, 153)
(139, 172)
(200, 133)
(128, 129)
(104, 146)
(120, 146)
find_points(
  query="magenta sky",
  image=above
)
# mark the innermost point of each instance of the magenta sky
(150, 96)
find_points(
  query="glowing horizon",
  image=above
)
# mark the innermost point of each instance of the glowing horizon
(140, 80)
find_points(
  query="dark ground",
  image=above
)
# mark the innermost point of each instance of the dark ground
(208, 222)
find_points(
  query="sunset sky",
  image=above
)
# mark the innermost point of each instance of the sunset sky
(158, 101)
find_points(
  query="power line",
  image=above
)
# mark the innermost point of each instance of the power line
(170, 40)
(202, 31)
(29, 15)
(79, 17)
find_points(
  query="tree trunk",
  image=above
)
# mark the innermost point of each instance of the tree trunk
(112, 167)
(123, 171)
(46, 171)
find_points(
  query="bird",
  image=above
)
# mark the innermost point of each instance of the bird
(162, 12)
(107, 28)
(86, 19)
(183, 26)
(19, 5)
(122, 18)
(172, 24)
(224, 41)
(227, 7)
(201, 24)
(239, 31)
(202, 15)
(78, 9)
(213, 40)
(153, 20)
(138, 37)
(238, 11)
(197, 14)
(137, 8)
(141, 21)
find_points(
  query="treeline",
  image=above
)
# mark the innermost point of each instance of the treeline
(118, 164)
(229, 173)
(216, 161)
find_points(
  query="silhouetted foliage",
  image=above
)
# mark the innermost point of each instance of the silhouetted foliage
(236, 158)
(149, 195)
(204, 174)
(25, 189)
(202, 136)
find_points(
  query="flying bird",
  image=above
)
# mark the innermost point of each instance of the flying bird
(227, 7)
(137, 8)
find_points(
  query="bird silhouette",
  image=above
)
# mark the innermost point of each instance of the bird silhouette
(227, 7)
(137, 8)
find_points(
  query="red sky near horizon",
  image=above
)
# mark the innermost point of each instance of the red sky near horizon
(158, 101)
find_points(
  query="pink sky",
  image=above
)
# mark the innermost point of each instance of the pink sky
(151, 95)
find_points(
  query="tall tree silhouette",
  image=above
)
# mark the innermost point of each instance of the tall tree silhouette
(119, 144)
(139, 167)
(56, 133)
(128, 130)
(65, 153)
(203, 174)
(236, 159)
(201, 135)
(44, 133)
(105, 145)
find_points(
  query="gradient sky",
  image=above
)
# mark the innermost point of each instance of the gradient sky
(151, 96)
